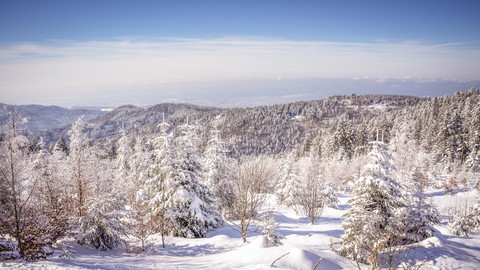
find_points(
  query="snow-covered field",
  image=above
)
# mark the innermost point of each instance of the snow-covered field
(305, 244)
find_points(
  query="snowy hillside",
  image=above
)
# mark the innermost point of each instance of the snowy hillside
(305, 244)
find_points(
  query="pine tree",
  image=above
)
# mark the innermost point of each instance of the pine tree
(376, 200)
(80, 167)
(286, 190)
(463, 225)
(218, 174)
(101, 225)
(124, 152)
(194, 208)
(361, 140)
(330, 196)
(124, 173)
(172, 189)
(474, 139)
(61, 145)
(419, 216)
(343, 139)
(156, 195)
(269, 225)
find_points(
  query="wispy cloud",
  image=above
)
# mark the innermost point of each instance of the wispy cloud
(101, 66)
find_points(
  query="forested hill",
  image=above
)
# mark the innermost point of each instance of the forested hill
(274, 129)
(255, 130)
(339, 126)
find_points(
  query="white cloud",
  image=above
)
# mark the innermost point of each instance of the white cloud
(84, 68)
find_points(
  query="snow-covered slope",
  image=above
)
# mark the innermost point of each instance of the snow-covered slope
(304, 245)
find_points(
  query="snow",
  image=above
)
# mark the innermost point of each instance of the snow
(305, 244)
(297, 118)
(379, 107)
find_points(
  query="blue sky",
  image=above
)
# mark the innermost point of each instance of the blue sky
(145, 52)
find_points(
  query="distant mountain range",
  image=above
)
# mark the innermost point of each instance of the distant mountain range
(41, 118)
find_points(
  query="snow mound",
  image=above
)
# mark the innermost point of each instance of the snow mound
(303, 259)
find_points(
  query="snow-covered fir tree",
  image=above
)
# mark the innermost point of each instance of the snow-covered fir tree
(124, 153)
(218, 175)
(286, 190)
(194, 209)
(155, 198)
(342, 140)
(125, 174)
(473, 159)
(80, 168)
(268, 224)
(374, 205)
(172, 188)
(330, 196)
(139, 161)
(465, 224)
(419, 216)
(61, 145)
(101, 225)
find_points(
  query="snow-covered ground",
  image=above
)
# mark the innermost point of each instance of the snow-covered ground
(304, 243)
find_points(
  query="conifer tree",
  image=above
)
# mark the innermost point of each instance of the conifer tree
(124, 153)
(61, 145)
(80, 170)
(124, 172)
(218, 173)
(194, 208)
(419, 216)
(473, 159)
(286, 190)
(172, 189)
(343, 139)
(155, 198)
(464, 225)
(377, 198)
(268, 224)
(101, 225)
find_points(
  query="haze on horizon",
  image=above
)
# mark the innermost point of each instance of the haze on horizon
(111, 53)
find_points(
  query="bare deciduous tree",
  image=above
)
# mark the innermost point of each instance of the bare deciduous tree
(13, 178)
(249, 189)
(20, 217)
(311, 199)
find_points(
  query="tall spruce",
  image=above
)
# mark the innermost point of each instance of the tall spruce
(376, 200)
